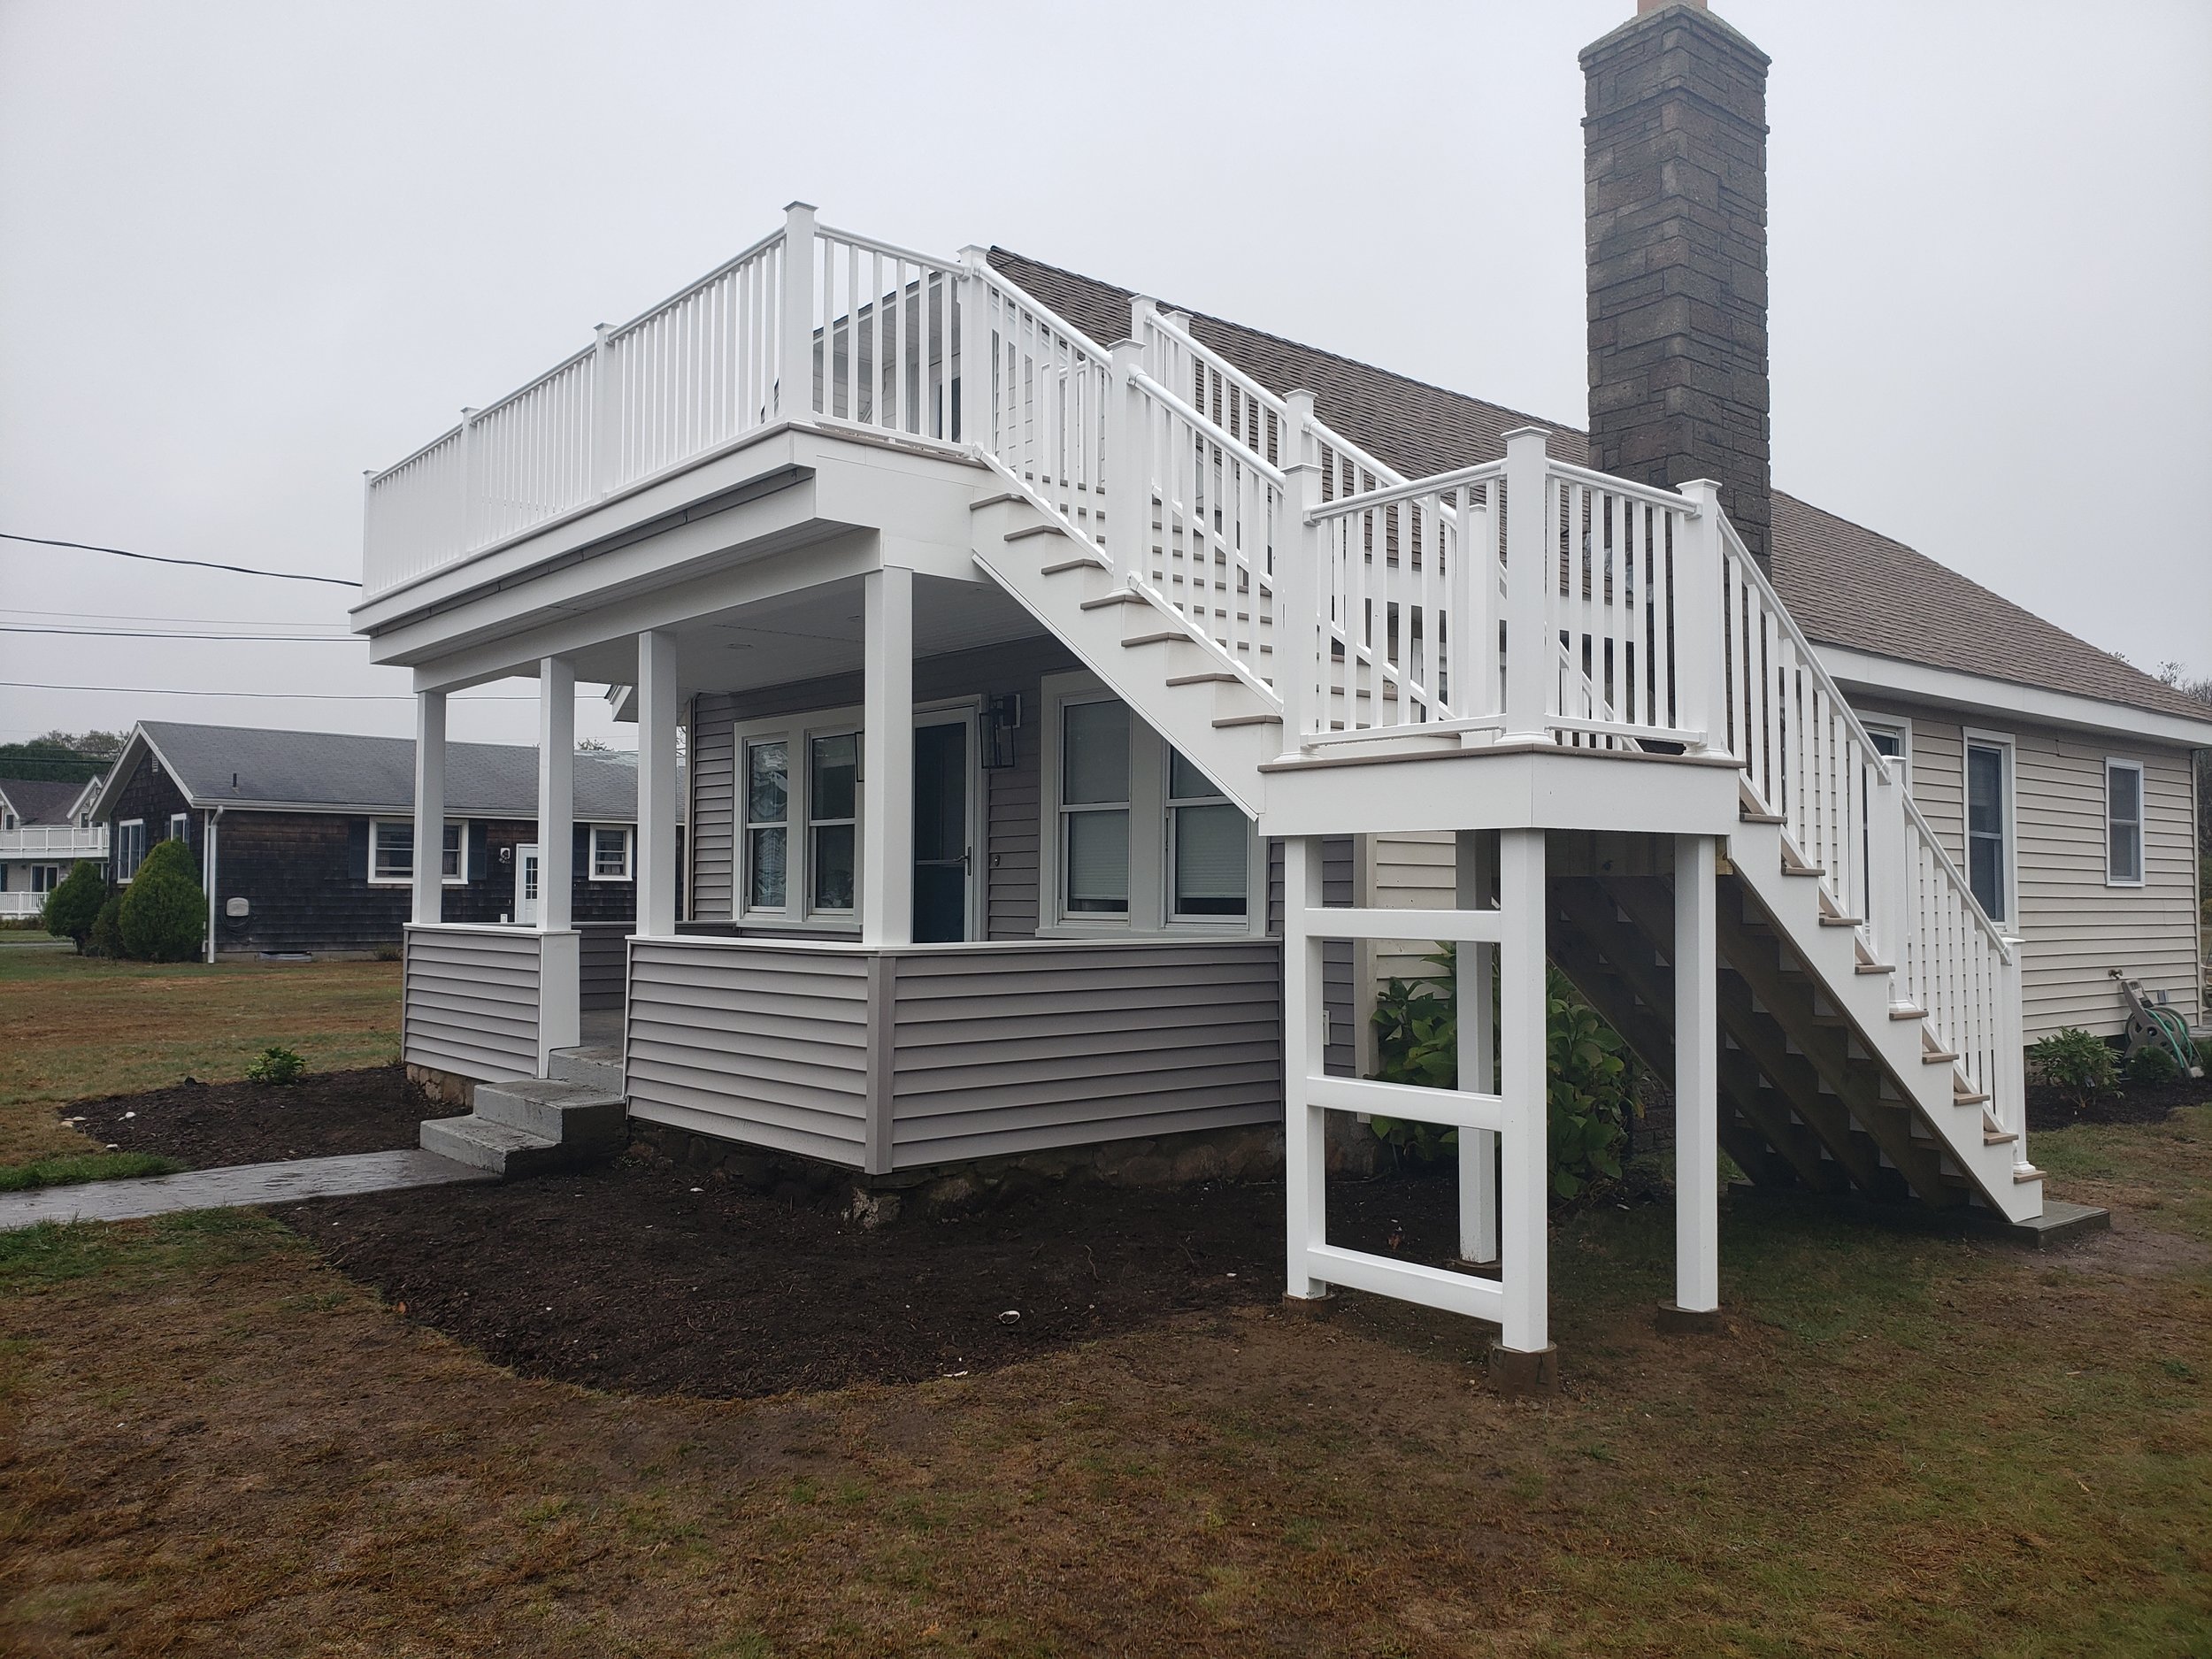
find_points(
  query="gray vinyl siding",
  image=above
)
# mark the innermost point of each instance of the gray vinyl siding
(1053, 1046)
(751, 1043)
(2076, 927)
(1340, 1056)
(1011, 797)
(469, 1003)
(602, 953)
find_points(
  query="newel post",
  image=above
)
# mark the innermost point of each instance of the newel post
(1700, 693)
(795, 367)
(1128, 477)
(1888, 869)
(1298, 544)
(1532, 560)
(974, 374)
(604, 401)
(2012, 1058)
(468, 480)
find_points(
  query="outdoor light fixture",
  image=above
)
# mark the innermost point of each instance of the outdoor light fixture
(1001, 719)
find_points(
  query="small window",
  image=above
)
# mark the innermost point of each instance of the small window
(2123, 822)
(7, 820)
(767, 822)
(609, 852)
(391, 850)
(130, 848)
(832, 817)
(1095, 808)
(1891, 740)
(1988, 827)
(453, 860)
(179, 826)
(45, 878)
(1209, 840)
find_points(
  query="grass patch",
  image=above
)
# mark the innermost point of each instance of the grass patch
(81, 1027)
(69, 1168)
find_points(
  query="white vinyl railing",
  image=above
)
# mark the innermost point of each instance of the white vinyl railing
(16, 906)
(61, 841)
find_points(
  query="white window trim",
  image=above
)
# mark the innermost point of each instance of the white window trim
(138, 823)
(1972, 737)
(407, 880)
(179, 826)
(796, 913)
(2114, 763)
(1900, 726)
(1151, 871)
(591, 852)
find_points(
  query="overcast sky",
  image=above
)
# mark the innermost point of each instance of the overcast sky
(246, 251)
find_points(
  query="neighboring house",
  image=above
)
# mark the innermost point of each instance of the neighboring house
(1078, 691)
(45, 829)
(305, 839)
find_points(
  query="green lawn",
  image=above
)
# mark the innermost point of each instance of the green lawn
(79, 1027)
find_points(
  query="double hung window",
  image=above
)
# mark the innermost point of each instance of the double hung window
(800, 801)
(1094, 805)
(130, 848)
(1989, 826)
(2123, 824)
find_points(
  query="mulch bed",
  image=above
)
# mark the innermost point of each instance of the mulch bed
(208, 1125)
(2135, 1104)
(646, 1276)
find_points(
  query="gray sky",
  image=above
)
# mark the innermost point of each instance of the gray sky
(248, 251)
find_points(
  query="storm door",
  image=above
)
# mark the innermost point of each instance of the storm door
(942, 833)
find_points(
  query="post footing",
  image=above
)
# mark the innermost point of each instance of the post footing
(1688, 1321)
(1308, 1307)
(1516, 1373)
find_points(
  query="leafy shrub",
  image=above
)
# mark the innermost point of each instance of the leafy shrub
(106, 937)
(72, 906)
(165, 913)
(278, 1066)
(1589, 1090)
(2077, 1064)
(2153, 1065)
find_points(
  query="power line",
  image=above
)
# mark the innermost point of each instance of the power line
(161, 558)
(318, 696)
(157, 634)
(180, 622)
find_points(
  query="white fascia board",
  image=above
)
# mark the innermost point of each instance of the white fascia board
(1981, 695)
(127, 762)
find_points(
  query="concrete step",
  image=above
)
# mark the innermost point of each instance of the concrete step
(502, 1148)
(566, 1114)
(601, 1068)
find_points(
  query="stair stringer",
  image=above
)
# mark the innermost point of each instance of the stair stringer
(1830, 956)
(1183, 685)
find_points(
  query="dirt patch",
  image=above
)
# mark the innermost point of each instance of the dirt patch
(2131, 1103)
(210, 1125)
(647, 1277)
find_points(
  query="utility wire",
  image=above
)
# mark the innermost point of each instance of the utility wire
(318, 696)
(167, 622)
(158, 634)
(161, 558)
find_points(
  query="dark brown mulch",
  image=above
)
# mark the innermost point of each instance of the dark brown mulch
(647, 1276)
(208, 1125)
(2133, 1104)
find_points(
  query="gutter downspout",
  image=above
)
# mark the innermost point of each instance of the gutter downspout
(208, 871)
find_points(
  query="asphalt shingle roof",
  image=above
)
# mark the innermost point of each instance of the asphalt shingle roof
(1847, 585)
(335, 769)
(41, 799)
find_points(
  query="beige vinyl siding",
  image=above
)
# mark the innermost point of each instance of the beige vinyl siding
(469, 1004)
(2076, 928)
(711, 763)
(751, 1043)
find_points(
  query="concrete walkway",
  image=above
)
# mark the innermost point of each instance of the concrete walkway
(241, 1185)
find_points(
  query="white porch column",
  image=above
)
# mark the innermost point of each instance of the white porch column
(656, 784)
(1524, 1186)
(1696, 959)
(1478, 1056)
(429, 808)
(887, 757)
(1305, 1164)
(559, 953)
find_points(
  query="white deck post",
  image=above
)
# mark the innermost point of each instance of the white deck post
(605, 408)
(795, 367)
(887, 757)
(656, 785)
(1524, 1186)
(1477, 1056)
(976, 372)
(1887, 869)
(1298, 545)
(1532, 571)
(559, 956)
(1699, 685)
(2009, 1094)
(1128, 474)
(1305, 1163)
(430, 809)
(1696, 957)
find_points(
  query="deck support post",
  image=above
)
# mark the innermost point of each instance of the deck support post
(1298, 544)
(1531, 572)
(429, 898)
(658, 712)
(795, 370)
(1474, 880)
(887, 757)
(1696, 962)
(1305, 1161)
(560, 961)
(1524, 1185)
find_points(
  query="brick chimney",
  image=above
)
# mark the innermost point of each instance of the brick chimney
(1675, 197)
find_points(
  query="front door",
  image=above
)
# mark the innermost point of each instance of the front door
(526, 886)
(940, 832)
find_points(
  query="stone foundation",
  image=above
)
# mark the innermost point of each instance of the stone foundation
(443, 1088)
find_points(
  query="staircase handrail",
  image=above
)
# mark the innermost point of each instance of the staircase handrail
(1215, 432)
(1410, 489)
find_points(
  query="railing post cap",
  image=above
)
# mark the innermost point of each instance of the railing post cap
(1704, 488)
(602, 329)
(975, 254)
(1525, 435)
(1127, 353)
(799, 207)
(1300, 397)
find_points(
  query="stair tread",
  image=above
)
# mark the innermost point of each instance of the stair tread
(2025, 1173)
(1842, 921)
(1119, 596)
(1998, 1137)
(1939, 1056)
(1212, 675)
(1901, 1012)
(1165, 636)
(1002, 499)
(1749, 817)
(1247, 719)
(485, 1132)
(1876, 967)
(1049, 527)
(1079, 563)
(1959, 1098)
